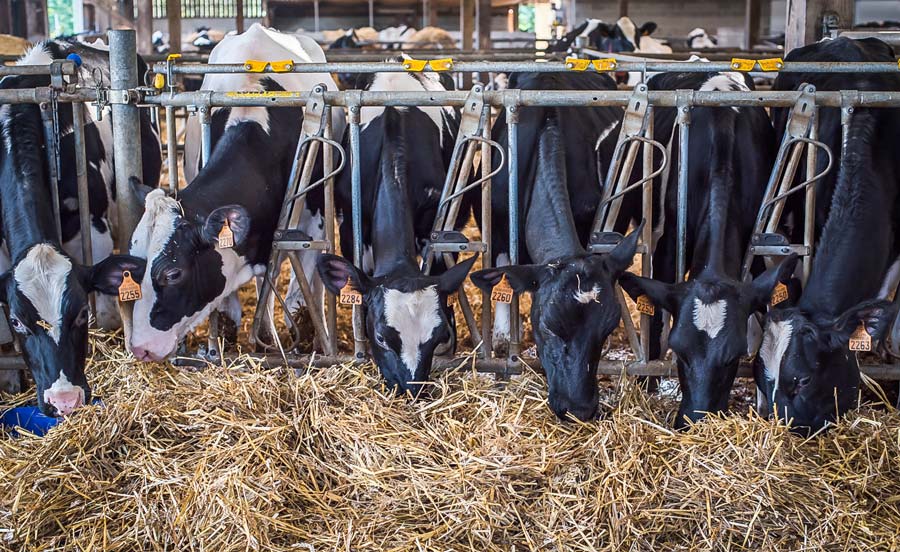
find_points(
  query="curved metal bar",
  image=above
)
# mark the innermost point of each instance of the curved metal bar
(814, 180)
(332, 174)
(483, 179)
(651, 176)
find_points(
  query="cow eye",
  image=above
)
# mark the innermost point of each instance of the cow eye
(379, 340)
(82, 317)
(18, 326)
(172, 276)
(804, 381)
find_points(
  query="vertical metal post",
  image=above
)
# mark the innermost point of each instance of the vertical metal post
(172, 149)
(809, 207)
(486, 235)
(51, 138)
(683, 119)
(647, 235)
(512, 119)
(316, 14)
(327, 165)
(84, 209)
(359, 326)
(371, 13)
(173, 14)
(127, 158)
(204, 112)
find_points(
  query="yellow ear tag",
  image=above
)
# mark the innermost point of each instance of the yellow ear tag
(415, 64)
(350, 296)
(282, 66)
(226, 236)
(860, 340)
(645, 305)
(129, 290)
(779, 294)
(502, 292)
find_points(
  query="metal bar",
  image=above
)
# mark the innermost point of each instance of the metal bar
(683, 119)
(51, 139)
(204, 112)
(68, 68)
(486, 235)
(314, 315)
(359, 326)
(647, 236)
(172, 150)
(538, 67)
(809, 207)
(512, 123)
(327, 165)
(84, 209)
(525, 98)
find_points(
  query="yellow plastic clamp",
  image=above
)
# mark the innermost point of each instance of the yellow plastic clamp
(415, 64)
(170, 57)
(159, 81)
(739, 64)
(282, 66)
(771, 64)
(575, 64)
(443, 64)
(255, 65)
(605, 64)
(898, 63)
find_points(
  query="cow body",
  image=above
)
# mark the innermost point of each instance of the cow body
(804, 367)
(46, 289)
(242, 184)
(621, 36)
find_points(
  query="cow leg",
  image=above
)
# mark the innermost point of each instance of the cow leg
(501, 316)
(267, 331)
(231, 321)
(107, 307)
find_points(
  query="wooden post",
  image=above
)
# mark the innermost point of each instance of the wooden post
(144, 27)
(173, 13)
(512, 19)
(429, 13)
(466, 27)
(804, 19)
(239, 16)
(372, 13)
(126, 12)
(751, 24)
(623, 8)
(483, 24)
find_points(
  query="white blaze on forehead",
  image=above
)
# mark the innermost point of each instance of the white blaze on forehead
(408, 82)
(586, 296)
(41, 277)
(710, 317)
(774, 346)
(414, 315)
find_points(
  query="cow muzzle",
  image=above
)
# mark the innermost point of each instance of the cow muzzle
(65, 402)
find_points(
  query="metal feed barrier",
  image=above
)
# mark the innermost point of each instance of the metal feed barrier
(636, 132)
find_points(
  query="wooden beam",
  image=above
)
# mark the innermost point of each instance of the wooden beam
(173, 14)
(751, 23)
(239, 16)
(466, 28)
(144, 26)
(483, 23)
(623, 8)
(429, 13)
(512, 19)
(804, 19)
(126, 12)
(371, 13)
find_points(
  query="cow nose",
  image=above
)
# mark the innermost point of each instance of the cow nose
(66, 401)
(143, 354)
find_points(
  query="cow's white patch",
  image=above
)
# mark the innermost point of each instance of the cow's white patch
(592, 24)
(710, 317)
(699, 39)
(36, 55)
(62, 387)
(414, 315)
(41, 277)
(587, 296)
(628, 29)
(5, 131)
(774, 345)
(408, 82)
(725, 82)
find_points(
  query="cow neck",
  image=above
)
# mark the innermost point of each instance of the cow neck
(721, 177)
(27, 205)
(549, 226)
(393, 240)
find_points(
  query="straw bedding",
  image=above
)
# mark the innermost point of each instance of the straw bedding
(241, 458)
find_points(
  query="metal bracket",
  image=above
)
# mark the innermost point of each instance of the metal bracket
(635, 120)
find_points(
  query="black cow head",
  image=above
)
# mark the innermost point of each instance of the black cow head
(47, 295)
(573, 311)
(187, 274)
(621, 36)
(804, 366)
(407, 315)
(709, 330)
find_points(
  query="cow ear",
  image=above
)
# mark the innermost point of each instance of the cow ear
(758, 293)
(521, 278)
(647, 28)
(238, 220)
(451, 280)
(620, 258)
(106, 276)
(662, 294)
(139, 189)
(336, 271)
(875, 314)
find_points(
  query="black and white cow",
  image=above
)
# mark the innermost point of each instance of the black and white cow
(804, 367)
(574, 308)
(46, 290)
(407, 315)
(243, 183)
(621, 36)
(731, 154)
(698, 39)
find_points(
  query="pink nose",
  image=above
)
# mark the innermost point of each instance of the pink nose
(144, 355)
(66, 401)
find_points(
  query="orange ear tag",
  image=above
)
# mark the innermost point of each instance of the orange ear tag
(350, 296)
(860, 340)
(502, 292)
(129, 290)
(645, 306)
(226, 236)
(779, 294)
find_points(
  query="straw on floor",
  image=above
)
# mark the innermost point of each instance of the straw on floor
(250, 459)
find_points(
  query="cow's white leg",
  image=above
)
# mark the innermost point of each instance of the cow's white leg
(107, 307)
(754, 335)
(501, 314)
(231, 307)
(268, 321)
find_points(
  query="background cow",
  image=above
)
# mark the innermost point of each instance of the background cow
(621, 36)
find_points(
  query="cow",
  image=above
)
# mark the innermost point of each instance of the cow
(243, 184)
(46, 289)
(621, 36)
(731, 154)
(406, 312)
(573, 303)
(699, 40)
(804, 367)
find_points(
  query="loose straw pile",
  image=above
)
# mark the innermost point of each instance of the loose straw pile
(248, 459)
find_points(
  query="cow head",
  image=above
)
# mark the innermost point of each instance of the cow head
(47, 295)
(709, 330)
(573, 311)
(804, 366)
(621, 36)
(187, 275)
(407, 315)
